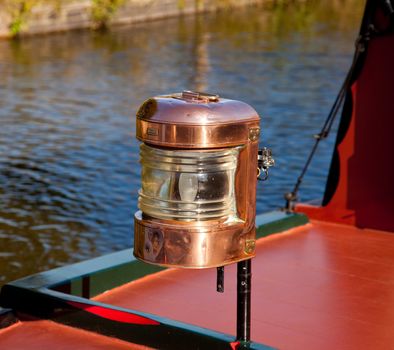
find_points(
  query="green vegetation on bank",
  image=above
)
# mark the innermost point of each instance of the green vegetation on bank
(20, 11)
(103, 10)
(21, 15)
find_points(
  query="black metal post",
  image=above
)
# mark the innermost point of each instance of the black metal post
(244, 277)
(220, 279)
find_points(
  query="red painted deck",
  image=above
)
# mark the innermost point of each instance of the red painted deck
(39, 334)
(319, 286)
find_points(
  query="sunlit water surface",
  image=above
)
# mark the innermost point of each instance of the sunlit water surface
(69, 171)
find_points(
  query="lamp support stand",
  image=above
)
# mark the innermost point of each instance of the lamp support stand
(244, 277)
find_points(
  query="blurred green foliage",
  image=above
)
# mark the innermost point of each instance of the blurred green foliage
(20, 11)
(303, 11)
(103, 10)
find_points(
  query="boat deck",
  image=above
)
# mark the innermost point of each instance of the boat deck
(41, 334)
(317, 286)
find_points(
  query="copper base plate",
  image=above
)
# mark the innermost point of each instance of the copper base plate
(191, 245)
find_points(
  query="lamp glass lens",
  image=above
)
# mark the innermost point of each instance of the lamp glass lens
(188, 185)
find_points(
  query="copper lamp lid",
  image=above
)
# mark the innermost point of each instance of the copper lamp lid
(196, 120)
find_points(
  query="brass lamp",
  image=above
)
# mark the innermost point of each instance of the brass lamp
(199, 161)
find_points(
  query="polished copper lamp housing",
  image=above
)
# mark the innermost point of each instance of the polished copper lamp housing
(199, 158)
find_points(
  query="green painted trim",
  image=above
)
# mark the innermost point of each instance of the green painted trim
(76, 287)
(102, 273)
(119, 275)
(278, 222)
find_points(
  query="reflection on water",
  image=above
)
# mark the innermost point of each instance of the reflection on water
(69, 170)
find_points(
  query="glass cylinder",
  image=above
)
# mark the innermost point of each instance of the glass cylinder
(188, 185)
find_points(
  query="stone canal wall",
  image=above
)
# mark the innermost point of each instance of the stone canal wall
(24, 17)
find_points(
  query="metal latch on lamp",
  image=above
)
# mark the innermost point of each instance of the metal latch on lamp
(254, 134)
(194, 96)
(264, 162)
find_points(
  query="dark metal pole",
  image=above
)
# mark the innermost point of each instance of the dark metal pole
(244, 274)
(220, 279)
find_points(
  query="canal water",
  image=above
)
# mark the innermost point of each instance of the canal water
(69, 171)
